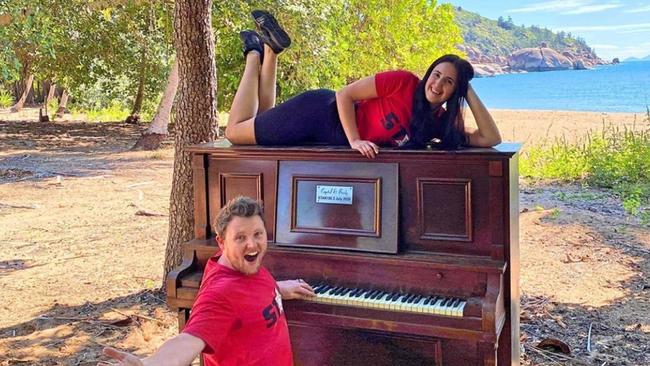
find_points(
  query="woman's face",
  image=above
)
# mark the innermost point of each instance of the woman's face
(441, 84)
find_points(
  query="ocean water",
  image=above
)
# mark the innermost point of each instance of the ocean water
(612, 88)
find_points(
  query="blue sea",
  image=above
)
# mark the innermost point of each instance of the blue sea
(623, 87)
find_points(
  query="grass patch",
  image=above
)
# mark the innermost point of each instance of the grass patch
(614, 158)
(113, 113)
(6, 100)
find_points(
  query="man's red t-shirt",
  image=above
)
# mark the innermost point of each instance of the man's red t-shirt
(240, 319)
(385, 120)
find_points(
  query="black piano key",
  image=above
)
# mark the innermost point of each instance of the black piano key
(409, 298)
(428, 300)
(370, 293)
(342, 291)
(323, 289)
(378, 295)
(355, 292)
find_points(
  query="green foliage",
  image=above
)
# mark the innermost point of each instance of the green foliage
(6, 100)
(501, 37)
(614, 158)
(336, 42)
(80, 44)
(115, 112)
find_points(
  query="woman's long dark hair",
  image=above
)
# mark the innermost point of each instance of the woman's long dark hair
(447, 127)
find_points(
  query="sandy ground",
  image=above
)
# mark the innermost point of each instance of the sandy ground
(80, 264)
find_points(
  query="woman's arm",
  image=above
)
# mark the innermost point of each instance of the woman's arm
(345, 98)
(487, 134)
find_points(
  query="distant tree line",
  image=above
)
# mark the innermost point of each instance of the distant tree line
(503, 36)
(107, 52)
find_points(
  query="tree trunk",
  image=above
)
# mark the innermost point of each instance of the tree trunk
(62, 104)
(137, 104)
(50, 93)
(153, 137)
(21, 102)
(196, 114)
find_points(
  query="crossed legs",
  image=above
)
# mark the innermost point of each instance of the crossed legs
(255, 94)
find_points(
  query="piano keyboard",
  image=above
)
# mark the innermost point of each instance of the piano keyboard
(392, 301)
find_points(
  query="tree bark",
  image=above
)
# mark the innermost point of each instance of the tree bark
(50, 93)
(196, 116)
(137, 104)
(62, 104)
(21, 102)
(153, 137)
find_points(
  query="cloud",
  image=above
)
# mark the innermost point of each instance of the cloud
(550, 6)
(629, 28)
(567, 7)
(591, 9)
(642, 9)
(605, 46)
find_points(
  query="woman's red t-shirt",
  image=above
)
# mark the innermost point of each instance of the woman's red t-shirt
(385, 120)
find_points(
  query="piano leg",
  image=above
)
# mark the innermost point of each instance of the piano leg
(183, 316)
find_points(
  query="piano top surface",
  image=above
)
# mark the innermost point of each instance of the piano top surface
(503, 150)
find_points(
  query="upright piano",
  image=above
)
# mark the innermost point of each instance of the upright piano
(414, 254)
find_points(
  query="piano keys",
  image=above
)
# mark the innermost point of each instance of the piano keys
(388, 300)
(413, 255)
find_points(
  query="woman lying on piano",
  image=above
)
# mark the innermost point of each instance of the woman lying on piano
(393, 108)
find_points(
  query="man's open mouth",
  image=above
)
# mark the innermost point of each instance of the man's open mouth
(251, 257)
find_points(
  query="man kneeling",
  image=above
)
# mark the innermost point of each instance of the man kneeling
(237, 318)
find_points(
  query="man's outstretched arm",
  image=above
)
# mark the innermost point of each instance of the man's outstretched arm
(178, 351)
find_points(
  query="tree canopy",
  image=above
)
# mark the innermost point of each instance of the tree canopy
(99, 50)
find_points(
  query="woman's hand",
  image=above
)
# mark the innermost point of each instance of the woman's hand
(487, 134)
(366, 148)
(295, 289)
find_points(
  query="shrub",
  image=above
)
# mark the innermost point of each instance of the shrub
(614, 158)
(6, 100)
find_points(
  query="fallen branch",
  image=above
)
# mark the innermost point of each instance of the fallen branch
(139, 184)
(148, 213)
(589, 338)
(8, 205)
(139, 316)
(564, 357)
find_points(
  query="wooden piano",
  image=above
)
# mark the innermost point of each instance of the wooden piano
(414, 254)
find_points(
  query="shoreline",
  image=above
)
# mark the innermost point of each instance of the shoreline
(539, 126)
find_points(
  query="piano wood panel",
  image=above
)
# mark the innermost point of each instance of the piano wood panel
(367, 224)
(454, 223)
(445, 207)
(228, 179)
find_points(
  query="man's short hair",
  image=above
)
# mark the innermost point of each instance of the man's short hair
(240, 206)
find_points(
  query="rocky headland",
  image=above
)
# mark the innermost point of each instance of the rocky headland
(542, 58)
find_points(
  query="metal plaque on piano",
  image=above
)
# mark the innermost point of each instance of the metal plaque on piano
(337, 195)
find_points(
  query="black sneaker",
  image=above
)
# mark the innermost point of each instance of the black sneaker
(272, 33)
(251, 42)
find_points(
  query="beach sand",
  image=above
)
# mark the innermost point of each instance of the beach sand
(533, 127)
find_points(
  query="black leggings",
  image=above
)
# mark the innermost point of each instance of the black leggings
(308, 118)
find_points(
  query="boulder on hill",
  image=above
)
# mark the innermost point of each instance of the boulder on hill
(538, 59)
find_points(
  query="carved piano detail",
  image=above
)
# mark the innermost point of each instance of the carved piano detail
(414, 255)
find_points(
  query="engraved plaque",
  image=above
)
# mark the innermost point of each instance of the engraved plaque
(343, 205)
(337, 195)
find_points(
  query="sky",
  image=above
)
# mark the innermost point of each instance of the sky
(614, 28)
